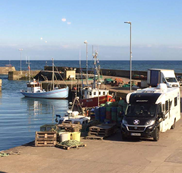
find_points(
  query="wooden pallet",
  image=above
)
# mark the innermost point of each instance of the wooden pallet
(95, 137)
(45, 143)
(67, 148)
(69, 127)
(45, 136)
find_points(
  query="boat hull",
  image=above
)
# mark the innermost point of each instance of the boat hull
(54, 94)
(92, 102)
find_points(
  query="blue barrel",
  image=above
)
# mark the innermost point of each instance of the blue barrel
(119, 113)
(92, 113)
(114, 114)
(96, 110)
(102, 113)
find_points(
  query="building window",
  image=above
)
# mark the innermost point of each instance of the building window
(94, 93)
(175, 101)
(90, 93)
(99, 93)
(103, 93)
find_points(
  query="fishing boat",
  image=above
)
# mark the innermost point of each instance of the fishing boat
(74, 115)
(94, 96)
(34, 89)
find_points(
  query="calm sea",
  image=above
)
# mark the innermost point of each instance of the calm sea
(20, 117)
(120, 65)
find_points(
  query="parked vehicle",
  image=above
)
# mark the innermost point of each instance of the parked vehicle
(156, 76)
(179, 78)
(150, 111)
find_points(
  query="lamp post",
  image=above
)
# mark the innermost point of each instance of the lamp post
(130, 57)
(85, 42)
(20, 58)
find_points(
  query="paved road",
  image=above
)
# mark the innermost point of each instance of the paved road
(112, 155)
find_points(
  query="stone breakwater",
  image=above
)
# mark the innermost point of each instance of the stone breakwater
(0, 84)
(5, 70)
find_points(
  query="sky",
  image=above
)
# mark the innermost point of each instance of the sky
(47, 29)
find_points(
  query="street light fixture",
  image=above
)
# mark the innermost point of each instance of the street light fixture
(85, 42)
(130, 56)
(20, 58)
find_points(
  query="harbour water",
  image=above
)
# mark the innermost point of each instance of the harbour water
(20, 117)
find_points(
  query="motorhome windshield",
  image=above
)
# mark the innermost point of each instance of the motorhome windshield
(171, 79)
(141, 109)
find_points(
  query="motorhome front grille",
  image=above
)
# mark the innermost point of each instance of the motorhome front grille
(136, 128)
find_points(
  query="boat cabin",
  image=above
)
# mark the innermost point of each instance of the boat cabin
(90, 93)
(33, 87)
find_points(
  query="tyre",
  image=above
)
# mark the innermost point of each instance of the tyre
(124, 138)
(174, 124)
(156, 134)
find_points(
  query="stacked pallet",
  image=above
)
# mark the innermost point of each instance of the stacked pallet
(101, 131)
(68, 126)
(45, 139)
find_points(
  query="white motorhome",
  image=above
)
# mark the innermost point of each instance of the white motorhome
(150, 111)
(156, 76)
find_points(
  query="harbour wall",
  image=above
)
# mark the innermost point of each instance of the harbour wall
(5, 70)
(106, 72)
(0, 84)
(22, 75)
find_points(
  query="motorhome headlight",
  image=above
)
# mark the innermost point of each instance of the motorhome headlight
(124, 122)
(151, 122)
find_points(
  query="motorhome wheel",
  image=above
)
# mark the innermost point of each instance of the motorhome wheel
(174, 124)
(156, 134)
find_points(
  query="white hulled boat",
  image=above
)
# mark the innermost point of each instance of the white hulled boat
(35, 90)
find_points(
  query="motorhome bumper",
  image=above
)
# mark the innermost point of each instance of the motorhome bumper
(147, 132)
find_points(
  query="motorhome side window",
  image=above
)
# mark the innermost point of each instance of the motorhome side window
(175, 101)
(163, 108)
(159, 108)
(166, 105)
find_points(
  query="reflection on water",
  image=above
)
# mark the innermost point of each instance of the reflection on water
(20, 117)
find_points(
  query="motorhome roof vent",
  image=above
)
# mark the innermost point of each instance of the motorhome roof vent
(162, 87)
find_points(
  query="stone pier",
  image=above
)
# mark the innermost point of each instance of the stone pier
(0, 84)
(21, 75)
(5, 70)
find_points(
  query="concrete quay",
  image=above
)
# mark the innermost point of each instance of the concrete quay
(111, 155)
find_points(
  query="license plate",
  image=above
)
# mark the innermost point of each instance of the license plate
(135, 134)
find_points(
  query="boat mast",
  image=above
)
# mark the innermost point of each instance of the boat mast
(28, 62)
(85, 42)
(81, 72)
(95, 67)
(52, 74)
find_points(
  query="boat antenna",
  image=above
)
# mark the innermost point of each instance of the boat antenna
(52, 74)
(28, 62)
